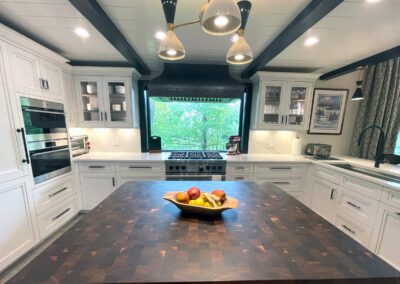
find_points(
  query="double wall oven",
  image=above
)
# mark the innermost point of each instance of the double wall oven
(46, 139)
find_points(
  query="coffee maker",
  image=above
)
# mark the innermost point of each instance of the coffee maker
(233, 146)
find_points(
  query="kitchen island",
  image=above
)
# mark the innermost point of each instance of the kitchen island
(135, 236)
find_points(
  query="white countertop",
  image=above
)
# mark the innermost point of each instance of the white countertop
(253, 158)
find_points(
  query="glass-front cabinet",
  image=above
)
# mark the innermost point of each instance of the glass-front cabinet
(282, 103)
(104, 101)
(273, 102)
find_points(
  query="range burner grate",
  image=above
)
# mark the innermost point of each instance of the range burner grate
(195, 155)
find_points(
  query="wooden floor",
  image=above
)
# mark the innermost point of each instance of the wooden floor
(21, 263)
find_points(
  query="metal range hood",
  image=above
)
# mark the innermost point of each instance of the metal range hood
(182, 81)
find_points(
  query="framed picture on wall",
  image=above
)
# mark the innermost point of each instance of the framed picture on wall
(327, 115)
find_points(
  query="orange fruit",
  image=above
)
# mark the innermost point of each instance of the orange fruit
(182, 197)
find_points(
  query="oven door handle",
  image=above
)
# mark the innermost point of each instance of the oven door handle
(49, 152)
(42, 111)
(22, 131)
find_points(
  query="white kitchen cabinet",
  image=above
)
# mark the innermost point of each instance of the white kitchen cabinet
(33, 76)
(323, 194)
(70, 106)
(282, 101)
(388, 245)
(96, 187)
(17, 229)
(104, 101)
(12, 148)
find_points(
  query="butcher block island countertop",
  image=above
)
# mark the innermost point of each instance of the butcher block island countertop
(135, 236)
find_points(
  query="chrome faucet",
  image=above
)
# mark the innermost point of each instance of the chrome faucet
(381, 143)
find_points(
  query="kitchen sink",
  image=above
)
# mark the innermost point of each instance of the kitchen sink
(368, 172)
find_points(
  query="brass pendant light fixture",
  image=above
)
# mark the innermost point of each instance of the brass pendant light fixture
(240, 52)
(217, 17)
(220, 17)
(171, 48)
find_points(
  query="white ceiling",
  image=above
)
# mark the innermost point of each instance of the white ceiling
(354, 30)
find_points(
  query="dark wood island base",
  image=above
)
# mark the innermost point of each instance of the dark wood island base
(135, 236)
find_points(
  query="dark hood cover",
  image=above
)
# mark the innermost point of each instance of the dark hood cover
(195, 80)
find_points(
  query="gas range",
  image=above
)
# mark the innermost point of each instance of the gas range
(192, 164)
(195, 155)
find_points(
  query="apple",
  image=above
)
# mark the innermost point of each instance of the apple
(220, 193)
(182, 197)
(194, 192)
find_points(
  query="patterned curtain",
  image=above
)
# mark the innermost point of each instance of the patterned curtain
(381, 106)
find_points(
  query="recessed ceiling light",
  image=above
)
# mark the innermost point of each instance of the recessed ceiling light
(82, 32)
(372, 1)
(160, 35)
(235, 37)
(310, 41)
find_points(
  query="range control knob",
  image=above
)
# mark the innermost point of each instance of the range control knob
(219, 167)
(201, 169)
(176, 167)
(214, 167)
(208, 168)
(183, 168)
(171, 167)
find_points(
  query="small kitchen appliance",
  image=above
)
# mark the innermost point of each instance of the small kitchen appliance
(79, 145)
(233, 146)
(155, 144)
(322, 151)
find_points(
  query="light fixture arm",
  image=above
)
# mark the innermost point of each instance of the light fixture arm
(187, 24)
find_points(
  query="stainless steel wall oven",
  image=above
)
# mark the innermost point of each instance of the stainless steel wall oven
(46, 139)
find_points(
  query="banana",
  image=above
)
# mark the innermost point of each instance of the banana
(210, 199)
(216, 198)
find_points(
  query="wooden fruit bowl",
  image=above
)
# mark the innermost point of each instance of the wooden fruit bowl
(229, 203)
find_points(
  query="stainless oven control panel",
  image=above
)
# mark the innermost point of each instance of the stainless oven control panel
(195, 167)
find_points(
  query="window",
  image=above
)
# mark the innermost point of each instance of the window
(194, 123)
(397, 149)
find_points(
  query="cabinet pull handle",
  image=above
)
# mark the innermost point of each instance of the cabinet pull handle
(58, 192)
(353, 205)
(62, 213)
(41, 82)
(113, 181)
(140, 167)
(286, 119)
(47, 84)
(282, 120)
(281, 182)
(348, 229)
(239, 178)
(398, 213)
(96, 167)
(332, 193)
(105, 115)
(101, 116)
(239, 168)
(281, 168)
(22, 131)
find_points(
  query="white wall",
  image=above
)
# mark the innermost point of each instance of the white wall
(260, 142)
(111, 140)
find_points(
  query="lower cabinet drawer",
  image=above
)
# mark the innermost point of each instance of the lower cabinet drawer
(53, 218)
(47, 196)
(356, 230)
(121, 179)
(391, 197)
(97, 167)
(357, 206)
(141, 169)
(279, 170)
(239, 168)
(237, 177)
(363, 187)
(326, 174)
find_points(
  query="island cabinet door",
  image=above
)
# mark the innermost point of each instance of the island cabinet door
(95, 188)
(323, 194)
(388, 245)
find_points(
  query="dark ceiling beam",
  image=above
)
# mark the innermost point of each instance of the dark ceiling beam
(92, 11)
(315, 11)
(372, 60)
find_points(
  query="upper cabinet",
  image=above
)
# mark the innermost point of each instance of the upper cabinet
(282, 101)
(33, 76)
(105, 101)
